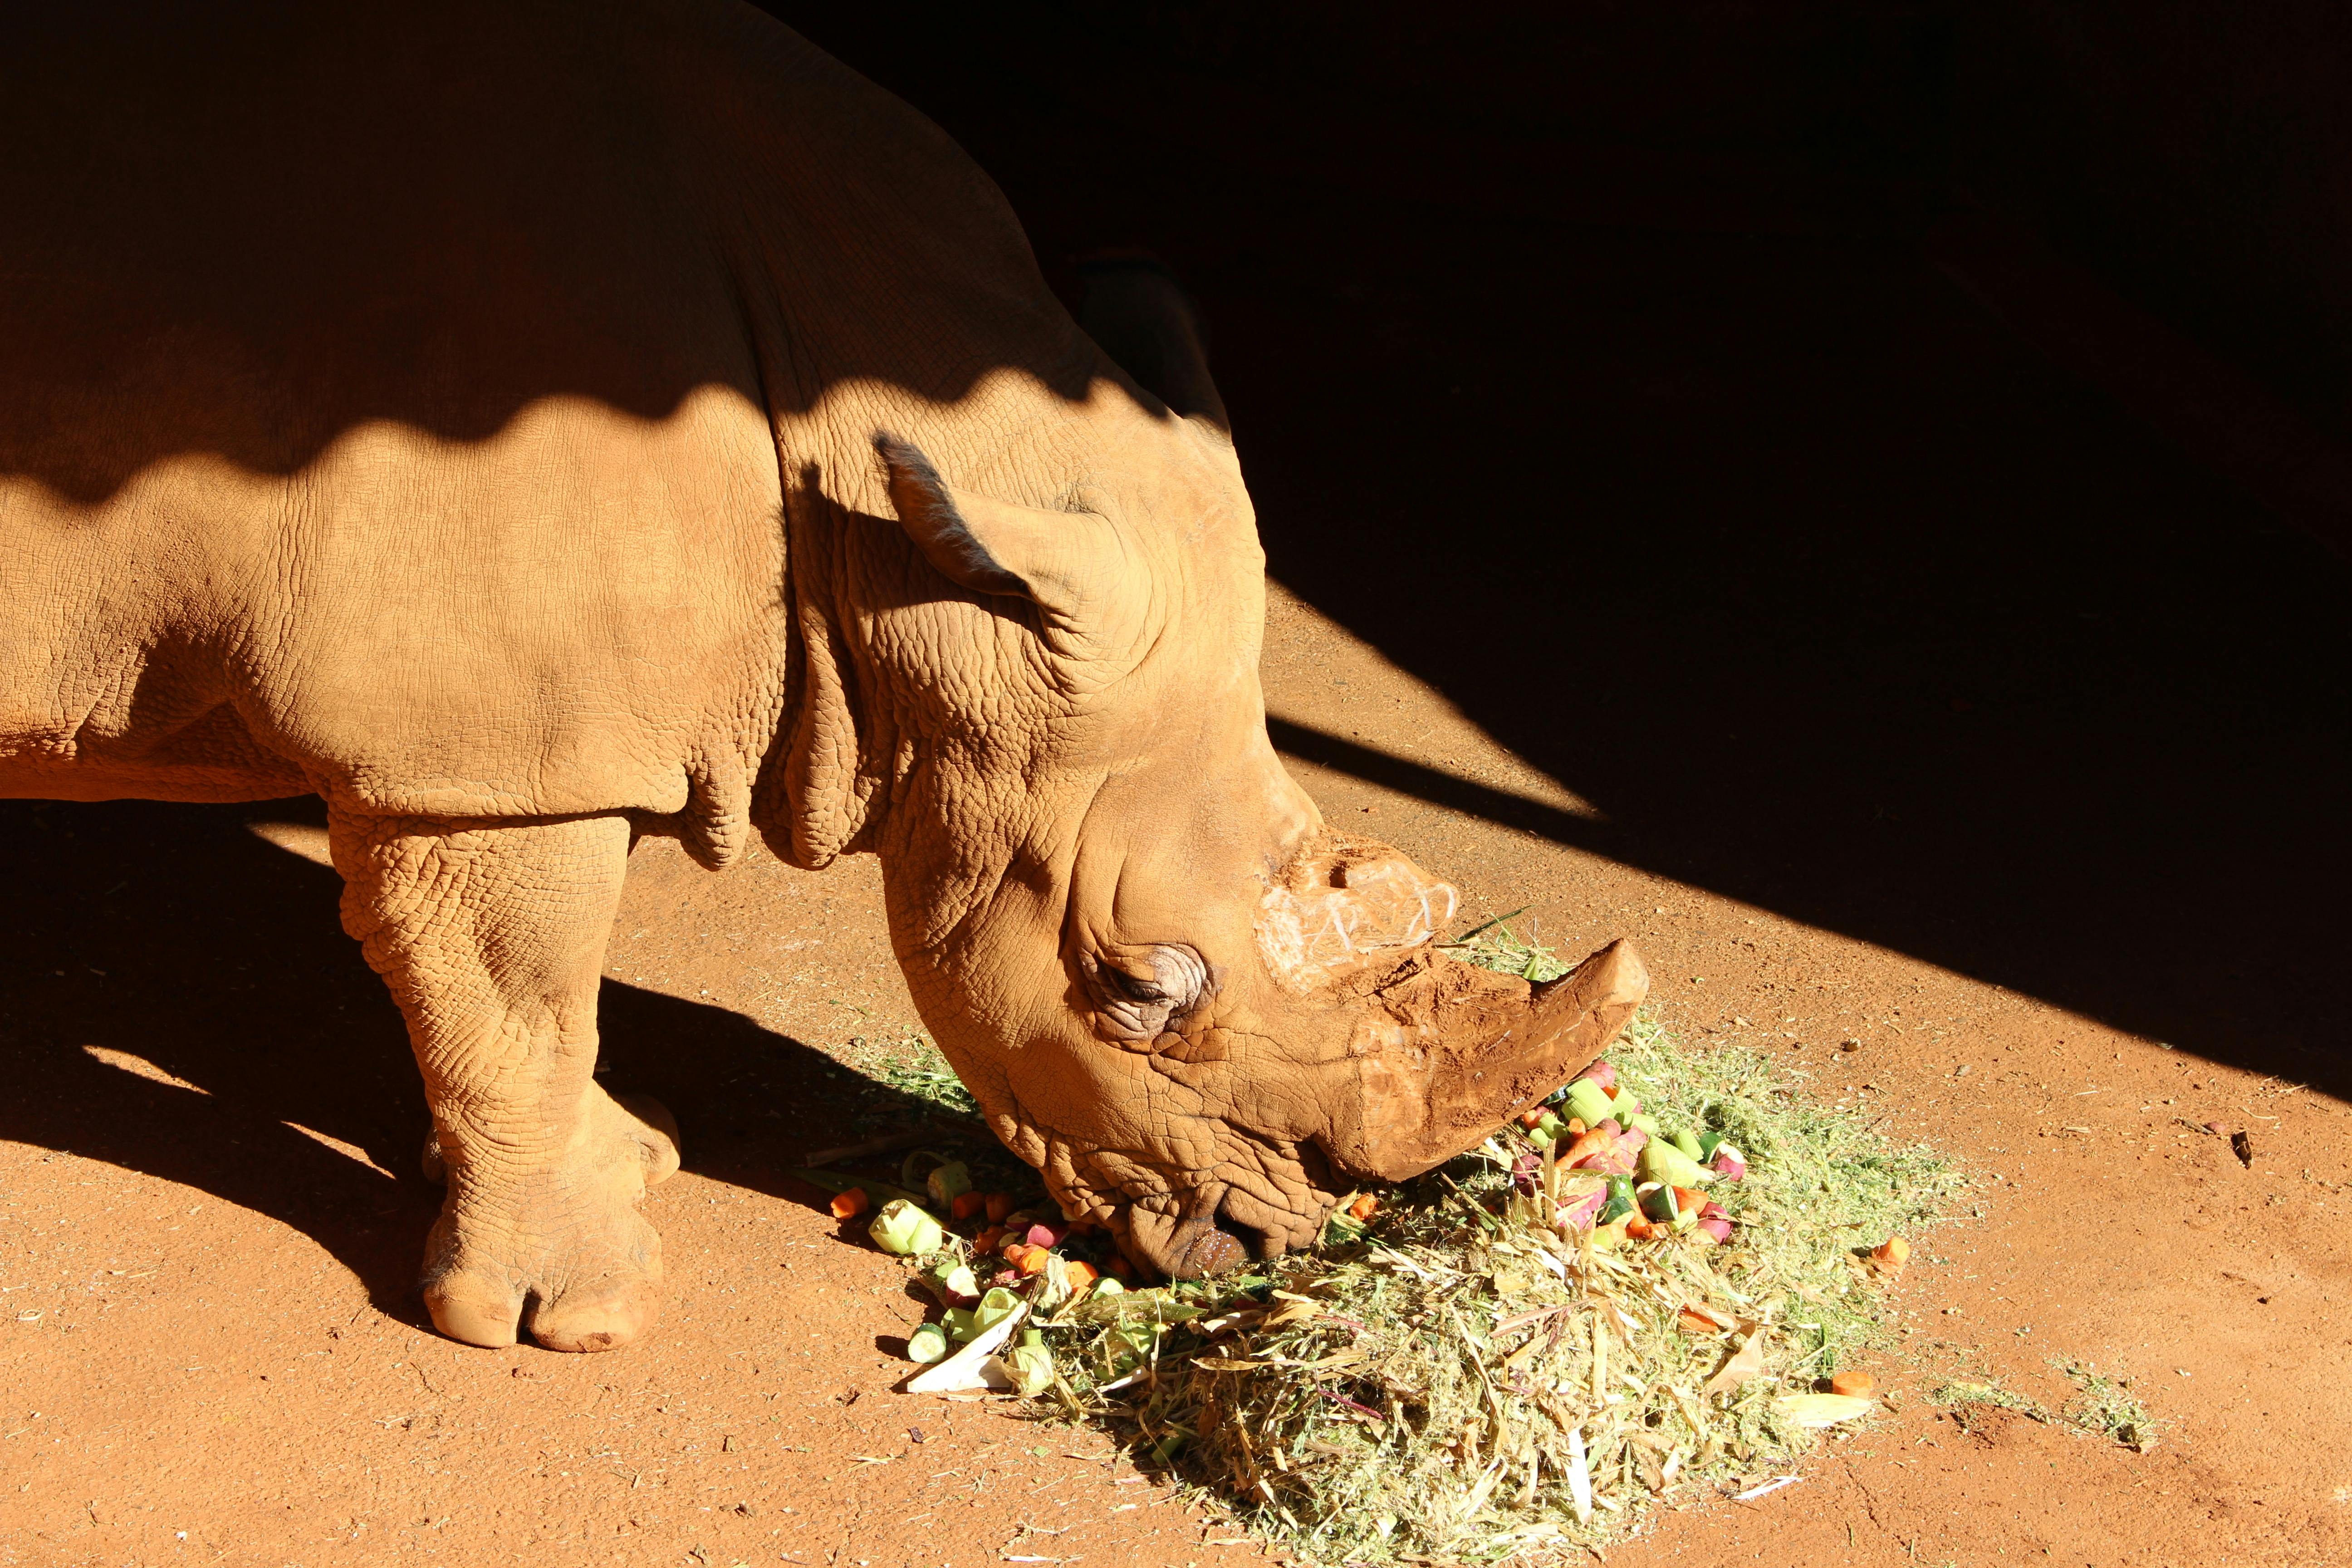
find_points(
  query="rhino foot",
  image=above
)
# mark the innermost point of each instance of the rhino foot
(559, 1249)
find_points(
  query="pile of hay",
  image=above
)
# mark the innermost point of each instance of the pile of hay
(1465, 1378)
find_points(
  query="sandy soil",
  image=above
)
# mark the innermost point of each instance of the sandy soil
(211, 1349)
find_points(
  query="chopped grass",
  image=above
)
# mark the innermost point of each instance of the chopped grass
(1961, 1393)
(919, 1072)
(1494, 946)
(1823, 1186)
(2102, 1406)
(1468, 1378)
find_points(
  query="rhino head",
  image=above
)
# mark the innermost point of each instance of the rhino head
(1198, 1009)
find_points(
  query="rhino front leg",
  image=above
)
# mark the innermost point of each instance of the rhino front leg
(491, 935)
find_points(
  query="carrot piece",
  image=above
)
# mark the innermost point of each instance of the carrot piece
(1892, 1253)
(1855, 1385)
(1033, 1260)
(999, 1206)
(1639, 1227)
(1589, 1142)
(1082, 1273)
(851, 1202)
(966, 1206)
(1364, 1207)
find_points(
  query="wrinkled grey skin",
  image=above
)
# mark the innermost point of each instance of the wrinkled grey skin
(604, 419)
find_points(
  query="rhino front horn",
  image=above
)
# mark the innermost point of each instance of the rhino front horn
(1456, 1050)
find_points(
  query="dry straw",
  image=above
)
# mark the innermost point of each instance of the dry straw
(1466, 1380)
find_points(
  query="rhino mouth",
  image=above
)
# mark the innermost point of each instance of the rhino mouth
(1214, 1198)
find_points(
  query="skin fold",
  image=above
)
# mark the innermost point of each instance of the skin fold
(532, 426)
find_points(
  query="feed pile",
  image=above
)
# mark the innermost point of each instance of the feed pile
(1644, 1295)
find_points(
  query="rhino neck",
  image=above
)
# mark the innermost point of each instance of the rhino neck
(867, 756)
(822, 785)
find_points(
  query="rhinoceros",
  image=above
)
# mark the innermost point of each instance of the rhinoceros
(533, 427)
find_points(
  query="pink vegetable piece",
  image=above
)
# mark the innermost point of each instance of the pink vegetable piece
(1581, 1212)
(1044, 1235)
(1603, 1073)
(1716, 1230)
(1610, 1153)
(1729, 1165)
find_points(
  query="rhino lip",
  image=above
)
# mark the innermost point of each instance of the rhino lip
(1205, 1247)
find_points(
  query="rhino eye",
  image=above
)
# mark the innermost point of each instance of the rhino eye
(1133, 989)
(1139, 989)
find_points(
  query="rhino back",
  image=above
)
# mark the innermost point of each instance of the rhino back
(392, 407)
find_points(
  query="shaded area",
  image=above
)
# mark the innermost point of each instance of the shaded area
(170, 934)
(1831, 593)
(442, 214)
(2199, 156)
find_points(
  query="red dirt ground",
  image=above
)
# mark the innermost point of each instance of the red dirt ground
(211, 1351)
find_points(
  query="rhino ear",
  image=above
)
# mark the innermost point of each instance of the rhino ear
(1066, 562)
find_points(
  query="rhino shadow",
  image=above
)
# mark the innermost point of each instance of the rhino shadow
(177, 999)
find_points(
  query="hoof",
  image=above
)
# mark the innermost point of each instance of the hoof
(598, 1290)
(603, 1314)
(473, 1310)
(558, 1249)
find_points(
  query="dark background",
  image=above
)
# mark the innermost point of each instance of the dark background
(1606, 365)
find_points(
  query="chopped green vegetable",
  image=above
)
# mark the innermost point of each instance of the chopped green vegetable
(905, 1227)
(1662, 1162)
(1589, 1102)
